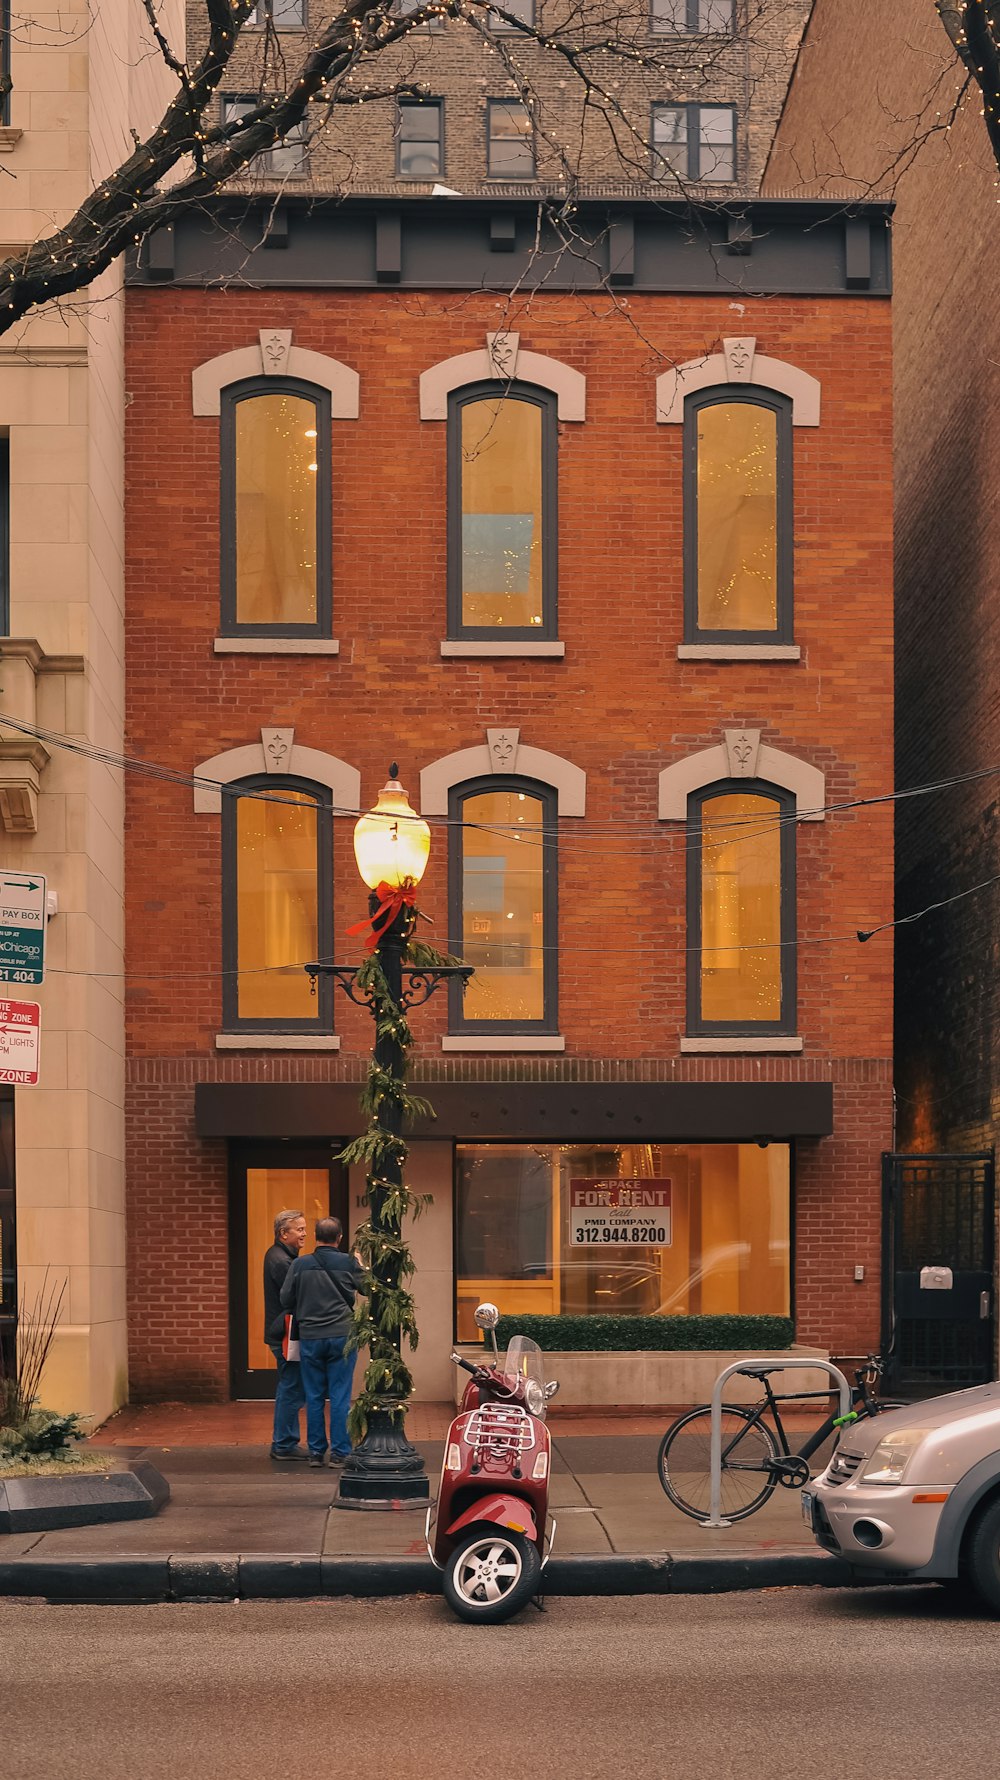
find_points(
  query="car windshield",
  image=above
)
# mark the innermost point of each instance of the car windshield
(523, 1360)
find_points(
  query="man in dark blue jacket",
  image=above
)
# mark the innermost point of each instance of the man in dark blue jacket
(320, 1290)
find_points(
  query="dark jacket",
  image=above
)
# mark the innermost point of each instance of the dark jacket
(276, 1264)
(320, 1289)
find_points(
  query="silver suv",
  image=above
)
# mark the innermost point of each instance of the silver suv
(914, 1493)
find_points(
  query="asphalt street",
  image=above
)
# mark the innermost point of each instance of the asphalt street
(733, 1687)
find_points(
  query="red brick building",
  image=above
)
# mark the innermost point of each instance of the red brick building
(609, 563)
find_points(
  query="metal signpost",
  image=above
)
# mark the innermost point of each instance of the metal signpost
(20, 1031)
(22, 927)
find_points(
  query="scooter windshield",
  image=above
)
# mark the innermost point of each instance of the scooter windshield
(523, 1361)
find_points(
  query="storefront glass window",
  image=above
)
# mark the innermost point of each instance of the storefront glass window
(741, 961)
(642, 1229)
(277, 470)
(737, 517)
(502, 543)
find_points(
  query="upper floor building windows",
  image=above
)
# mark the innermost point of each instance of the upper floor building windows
(434, 21)
(277, 889)
(420, 139)
(517, 11)
(510, 140)
(502, 517)
(741, 910)
(695, 142)
(275, 519)
(503, 905)
(693, 18)
(287, 159)
(285, 15)
(738, 516)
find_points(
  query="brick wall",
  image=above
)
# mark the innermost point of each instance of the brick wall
(870, 85)
(620, 705)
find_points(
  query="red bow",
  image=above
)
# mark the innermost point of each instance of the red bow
(393, 899)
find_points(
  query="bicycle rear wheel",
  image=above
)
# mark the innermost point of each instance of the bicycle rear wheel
(683, 1463)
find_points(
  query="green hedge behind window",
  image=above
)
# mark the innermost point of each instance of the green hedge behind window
(660, 1334)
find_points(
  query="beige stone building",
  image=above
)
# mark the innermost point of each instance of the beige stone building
(81, 77)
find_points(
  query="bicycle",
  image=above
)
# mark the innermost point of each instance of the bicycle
(751, 1447)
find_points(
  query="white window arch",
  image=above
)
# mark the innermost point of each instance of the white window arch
(503, 360)
(276, 752)
(275, 356)
(738, 362)
(503, 752)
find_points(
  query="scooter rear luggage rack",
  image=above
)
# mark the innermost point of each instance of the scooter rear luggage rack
(502, 1427)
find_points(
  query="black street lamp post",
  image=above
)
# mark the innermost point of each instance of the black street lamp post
(392, 844)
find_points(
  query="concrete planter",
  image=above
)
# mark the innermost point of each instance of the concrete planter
(127, 1490)
(652, 1380)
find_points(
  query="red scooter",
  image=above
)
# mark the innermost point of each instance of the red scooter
(489, 1530)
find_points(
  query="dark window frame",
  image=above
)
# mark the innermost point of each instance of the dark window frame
(786, 1024)
(457, 797)
(321, 1024)
(494, 389)
(436, 23)
(692, 26)
(232, 396)
(436, 104)
(693, 144)
(5, 534)
(720, 394)
(494, 100)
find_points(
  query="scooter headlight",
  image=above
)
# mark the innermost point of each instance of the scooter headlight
(534, 1397)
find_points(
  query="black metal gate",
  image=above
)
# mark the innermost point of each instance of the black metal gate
(938, 1254)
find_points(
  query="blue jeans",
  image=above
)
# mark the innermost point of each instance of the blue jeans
(289, 1399)
(326, 1376)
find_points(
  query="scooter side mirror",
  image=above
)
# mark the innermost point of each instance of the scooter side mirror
(551, 1388)
(487, 1316)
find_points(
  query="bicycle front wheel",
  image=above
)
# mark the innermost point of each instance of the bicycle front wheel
(683, 1463)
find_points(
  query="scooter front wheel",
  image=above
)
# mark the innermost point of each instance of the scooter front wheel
(491, 1574)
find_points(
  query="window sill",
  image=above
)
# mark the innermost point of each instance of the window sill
(514, 647)
(9, 138)
(508, 1041)
(738, 652)
(695, 1046)
(276, 1041)
(276, 646)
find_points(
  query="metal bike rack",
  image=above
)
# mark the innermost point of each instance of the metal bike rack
(760, 1367)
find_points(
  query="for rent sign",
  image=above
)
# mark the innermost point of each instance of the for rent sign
(20, 1023)
(629, 1209)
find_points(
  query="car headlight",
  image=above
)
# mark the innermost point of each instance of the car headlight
(534, 1396)
(888, 1462)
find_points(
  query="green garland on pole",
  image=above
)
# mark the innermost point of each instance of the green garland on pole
(386, 1317)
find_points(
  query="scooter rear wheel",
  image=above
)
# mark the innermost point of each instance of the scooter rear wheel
(491, 1575)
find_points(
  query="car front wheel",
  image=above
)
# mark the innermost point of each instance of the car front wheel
(982, 1566)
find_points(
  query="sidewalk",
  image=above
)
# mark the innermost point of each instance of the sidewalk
(237, 1524)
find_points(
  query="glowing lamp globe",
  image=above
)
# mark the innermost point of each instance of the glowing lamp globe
(391, 842)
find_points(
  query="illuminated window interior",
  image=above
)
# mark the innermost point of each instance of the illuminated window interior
(277, 901)
(276, 501)
(728, 1231)
(737, 517)
(270, 1190)
(501, 513)
(741, 908)
(503, 931)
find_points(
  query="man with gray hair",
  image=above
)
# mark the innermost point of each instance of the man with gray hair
(289, 1397)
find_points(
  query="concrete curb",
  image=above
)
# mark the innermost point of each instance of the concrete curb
(287, 1576)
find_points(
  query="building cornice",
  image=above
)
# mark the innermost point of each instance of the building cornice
(753, 247)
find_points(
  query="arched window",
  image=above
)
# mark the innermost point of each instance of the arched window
(502, 894)
(741, 909)
(502, 537)
(275, 521)
(738, 516)
(277, 905)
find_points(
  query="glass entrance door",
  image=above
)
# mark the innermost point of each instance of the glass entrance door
(266, 1179)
